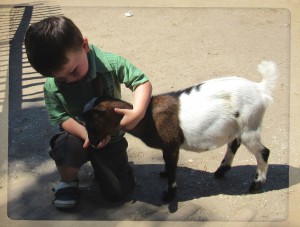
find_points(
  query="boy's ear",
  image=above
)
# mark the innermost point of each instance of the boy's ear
(85, 45)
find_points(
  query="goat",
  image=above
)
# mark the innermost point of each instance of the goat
(219, 111)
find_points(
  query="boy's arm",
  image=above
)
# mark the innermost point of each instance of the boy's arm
(141, 99)
(76, 129)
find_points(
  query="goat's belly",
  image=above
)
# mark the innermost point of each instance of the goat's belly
(205, 143)
(206, 124)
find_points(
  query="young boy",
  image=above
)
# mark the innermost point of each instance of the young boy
(76, 72)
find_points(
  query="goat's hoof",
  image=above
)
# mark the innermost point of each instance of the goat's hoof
(167, 196)
(220, 173)
(255, 187)
(163, 174)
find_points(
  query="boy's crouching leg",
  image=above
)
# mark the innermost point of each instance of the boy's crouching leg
(106, 179)
(115, 176)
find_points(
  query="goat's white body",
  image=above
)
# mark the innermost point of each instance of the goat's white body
(224, 109)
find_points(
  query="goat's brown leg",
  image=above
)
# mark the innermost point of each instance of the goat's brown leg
(171, 159)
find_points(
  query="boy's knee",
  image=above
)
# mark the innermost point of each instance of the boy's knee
(67, 150)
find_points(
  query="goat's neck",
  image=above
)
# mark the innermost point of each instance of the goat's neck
(146, 130)
(140, 127)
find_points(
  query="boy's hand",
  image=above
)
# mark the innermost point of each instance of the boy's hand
(102, 144)
(131, 118)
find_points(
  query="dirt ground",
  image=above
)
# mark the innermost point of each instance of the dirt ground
(176, 47)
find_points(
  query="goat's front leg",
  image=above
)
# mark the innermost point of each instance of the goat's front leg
(163, 173)
(171, 159)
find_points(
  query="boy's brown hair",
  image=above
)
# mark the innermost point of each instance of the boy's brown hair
(48, 41)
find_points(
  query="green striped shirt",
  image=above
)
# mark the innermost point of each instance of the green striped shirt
(64, 101)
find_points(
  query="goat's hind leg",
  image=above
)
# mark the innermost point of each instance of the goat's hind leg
(225, 166)
(253, 143)
(262, 156)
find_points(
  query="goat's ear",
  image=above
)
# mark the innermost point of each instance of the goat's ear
(99, 110)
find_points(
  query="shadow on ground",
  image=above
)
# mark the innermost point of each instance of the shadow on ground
(192, 184)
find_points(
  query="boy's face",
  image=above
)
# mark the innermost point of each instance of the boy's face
(76, 68)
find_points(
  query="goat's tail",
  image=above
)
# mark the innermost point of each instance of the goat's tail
(268, 70)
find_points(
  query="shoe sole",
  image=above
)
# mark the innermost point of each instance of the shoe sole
(64, 204)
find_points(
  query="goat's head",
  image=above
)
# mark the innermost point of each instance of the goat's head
(100, 119)
(100, 123)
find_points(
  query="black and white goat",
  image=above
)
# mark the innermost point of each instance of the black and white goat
(200, 118)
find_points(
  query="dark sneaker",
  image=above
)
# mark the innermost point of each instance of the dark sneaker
(66, 195)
